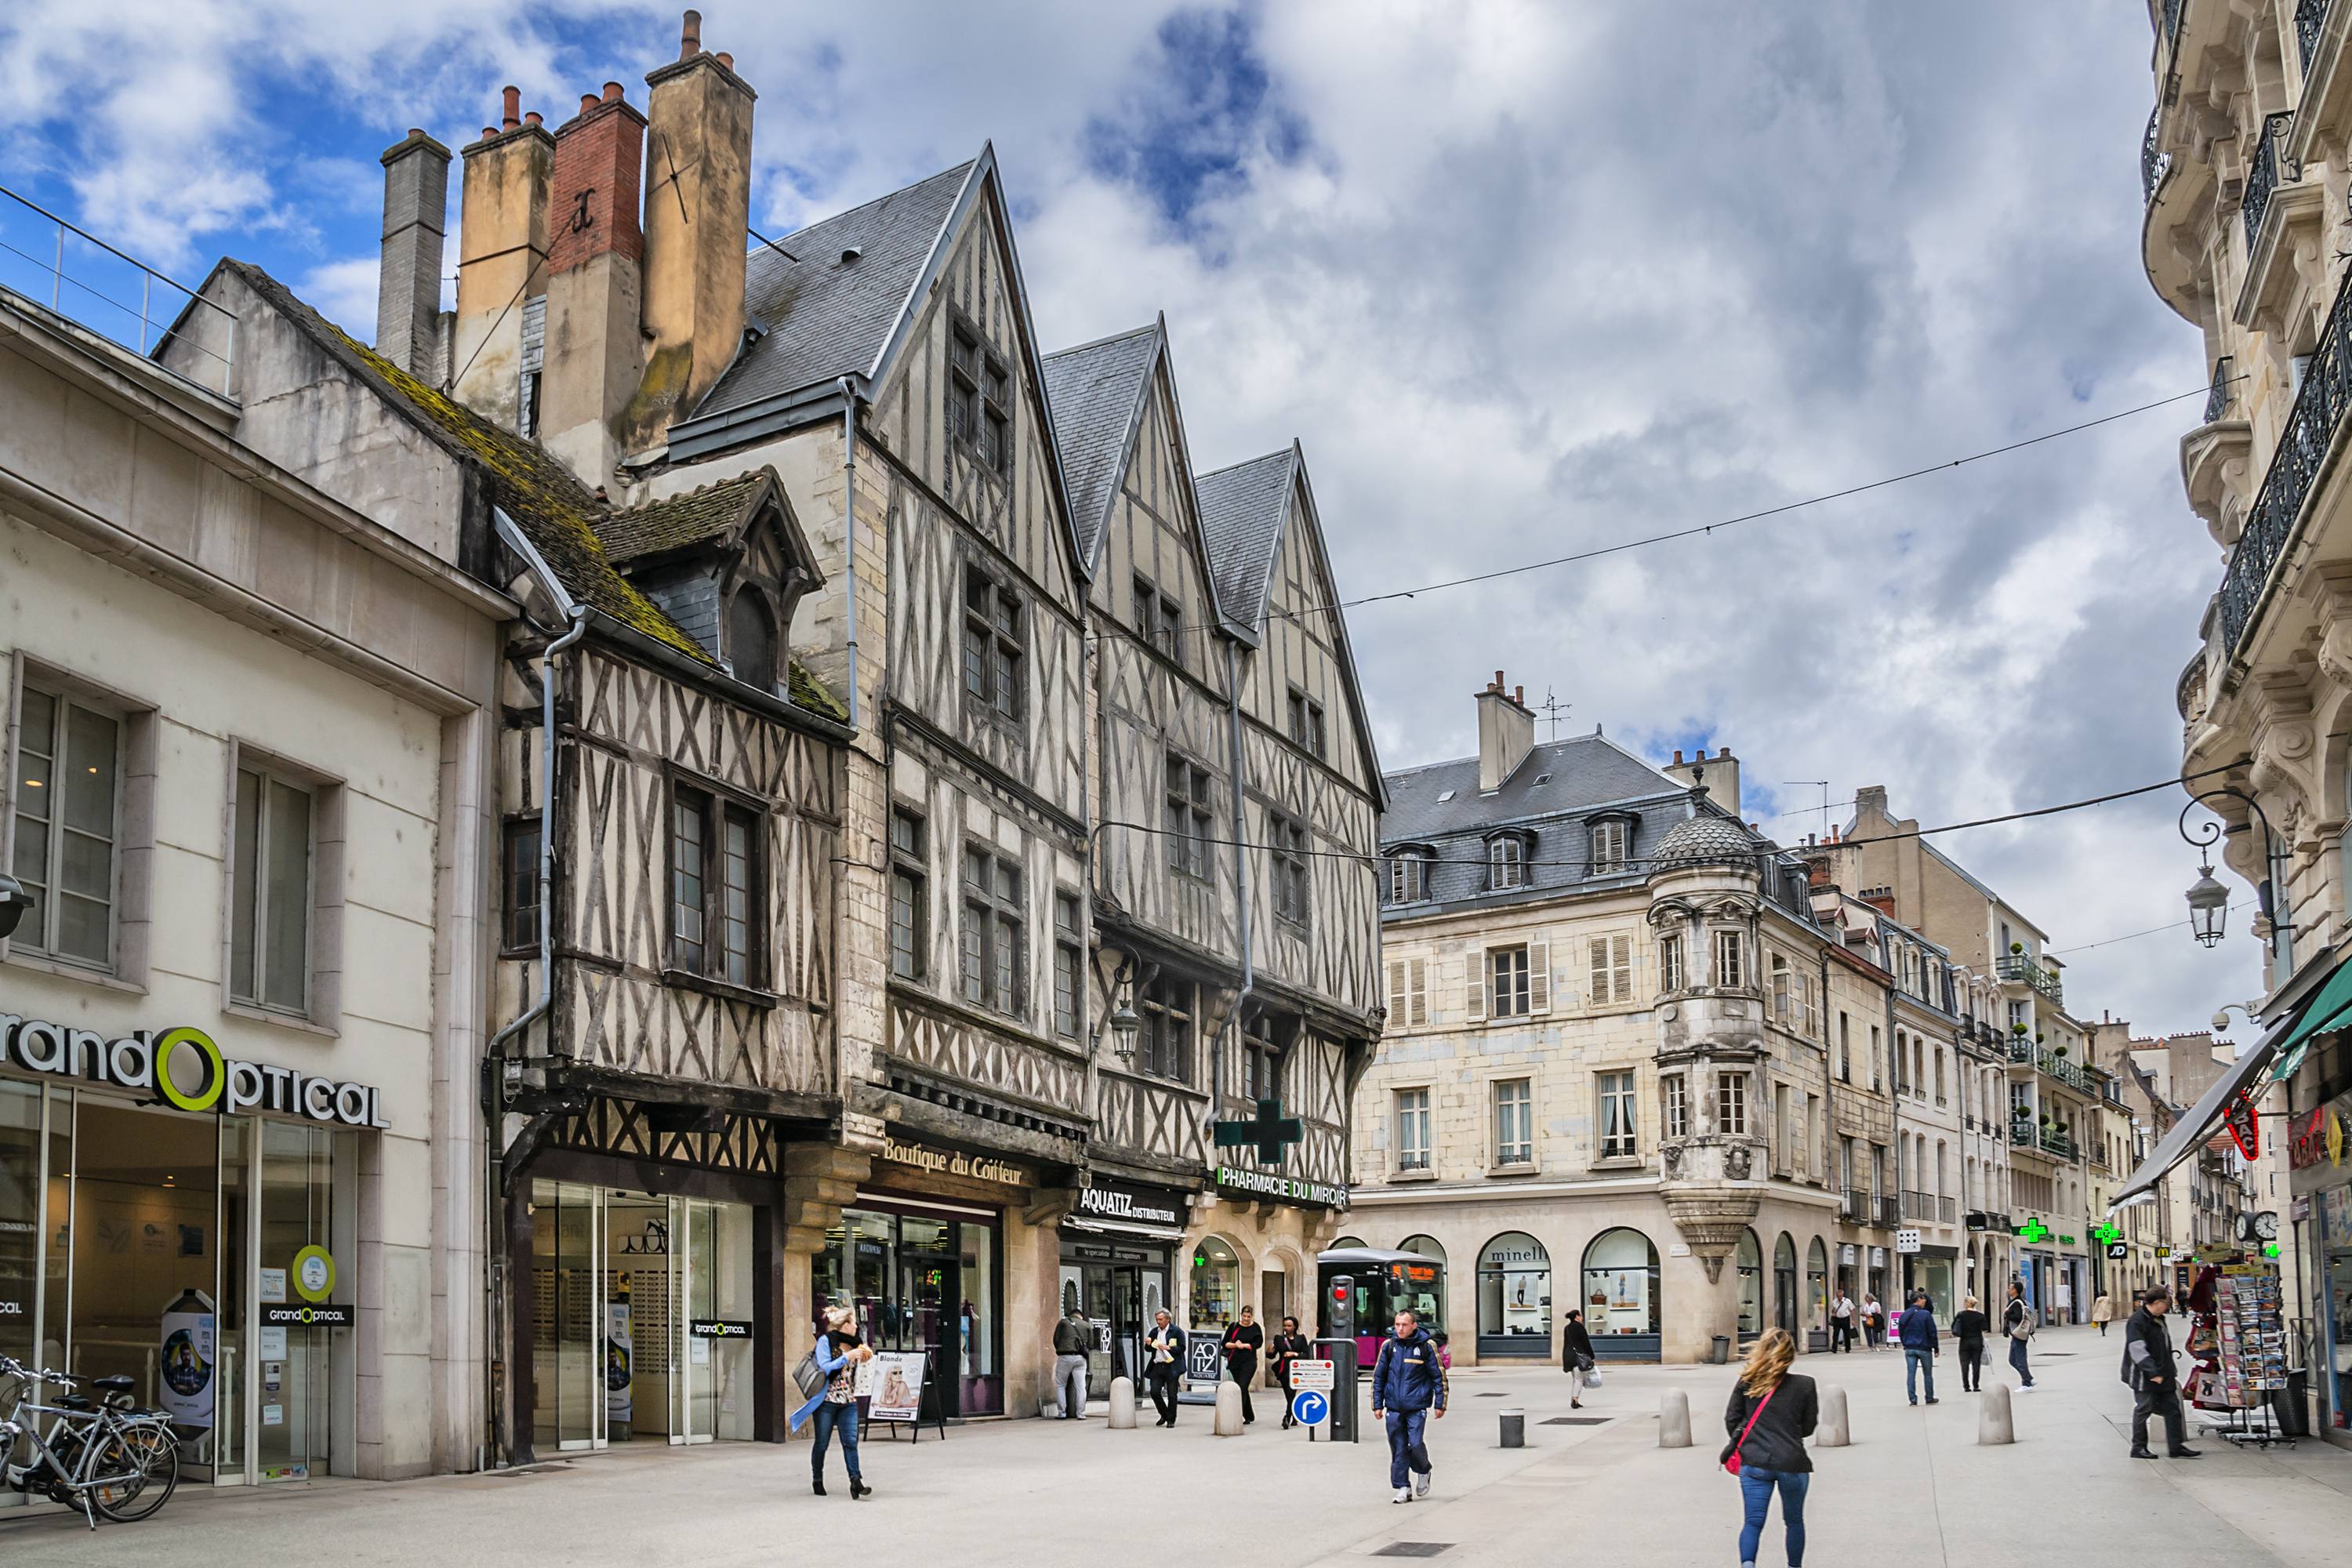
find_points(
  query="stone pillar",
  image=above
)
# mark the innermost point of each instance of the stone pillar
(819, 1180)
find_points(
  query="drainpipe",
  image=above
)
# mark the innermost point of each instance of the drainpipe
(1241, 863)
(849, 529)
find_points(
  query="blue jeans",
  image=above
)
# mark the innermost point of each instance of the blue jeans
(2017, 1360)
(1406, 1449)
(829, 1417)
(1756, 1484)
(1913, 1364)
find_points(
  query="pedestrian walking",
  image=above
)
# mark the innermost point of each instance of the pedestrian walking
(1842, 1323)
(1969, 1326)
(1408, 1384)
(1575, 1357)
(1243, 1341)
(2102, 1311)
(1289, 1348)
(1874, 1322)
(2018, 1323)
(1073, 1336)
(838, 1352)
(2154, 1375)
(1773, 1412)
(1163, 1364)
(1920, 1347)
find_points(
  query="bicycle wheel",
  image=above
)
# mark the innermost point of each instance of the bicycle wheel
(136, 1470)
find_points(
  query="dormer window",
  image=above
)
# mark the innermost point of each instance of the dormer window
(1409, 875)
(1612, 838)
(751, 639)
(1507, 862)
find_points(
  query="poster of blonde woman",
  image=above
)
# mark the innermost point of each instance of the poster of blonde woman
(892, 1382)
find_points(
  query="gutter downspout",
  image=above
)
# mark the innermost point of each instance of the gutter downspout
(849, 529)
(1241, 866)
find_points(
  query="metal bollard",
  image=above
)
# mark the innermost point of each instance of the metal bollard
(1832, 1431)
(1673, 1419)
(1514, 1428)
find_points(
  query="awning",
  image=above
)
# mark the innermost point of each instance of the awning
(1123, 1228)
(2189, 1131)
(2331, 1010)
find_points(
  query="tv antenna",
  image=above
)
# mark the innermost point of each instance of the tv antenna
(1824, 786)
(1554, 710)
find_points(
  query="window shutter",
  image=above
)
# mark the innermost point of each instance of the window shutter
(1473, 969)
(1620, 969)
(1418, 990)
(1396, 990)
(1538, 977)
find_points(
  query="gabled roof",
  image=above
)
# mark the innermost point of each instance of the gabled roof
(1096, 391)
(1242, 512)
(701, 515)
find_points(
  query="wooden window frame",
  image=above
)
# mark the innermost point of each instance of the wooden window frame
(1608, 959)
(909, 894)
(1169, 1006)
(1412, 1114)
(1670, 963)
(1617, 1091)
(1069, 964)
(38, 943)
(1731, 1104)
(979, 414)
(1510, 981)
(1611, 840)
(1159, 620)
(1306, 725)
(1730, 958)
(719, 809)
(1407, 992)
(1408, 877)
(992, 656)
(993, 921)
(1506, 863)
(269, 778)
(1261, 1061)
(1287, 843)
(1509, 1095)
(1189, 814)
(1673, 1105)
(519, 917)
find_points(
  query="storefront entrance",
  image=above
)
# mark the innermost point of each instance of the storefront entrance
(642, 1318)
(923, 1277)
(1117, 1289)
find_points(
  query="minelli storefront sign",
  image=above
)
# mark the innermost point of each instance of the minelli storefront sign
(181, 1067)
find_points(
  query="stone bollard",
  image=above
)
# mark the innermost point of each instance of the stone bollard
(1832, 1431)
(1993, 1421)
(1514, 1428)
(1673, 1419)
(1122, 1403)
(1229, 1410)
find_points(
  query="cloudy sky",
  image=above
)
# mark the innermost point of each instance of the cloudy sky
(1526, 278)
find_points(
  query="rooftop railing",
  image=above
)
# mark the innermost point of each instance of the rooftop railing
(80, 277)
(2018, 966)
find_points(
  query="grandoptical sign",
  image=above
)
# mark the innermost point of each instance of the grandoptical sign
(718, 1328)
(1292, 1189)
(184, 1068)
(310, 1314)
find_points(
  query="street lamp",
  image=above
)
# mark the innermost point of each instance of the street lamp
(1123, 1026)
(2209, 905)
(13, 902)
(2208, 900)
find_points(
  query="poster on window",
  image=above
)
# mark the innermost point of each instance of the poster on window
(892, 1383)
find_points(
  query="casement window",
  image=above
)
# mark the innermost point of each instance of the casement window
(1781, 986)
(1615, 1121)
(991, 645)
(992, 932)
(1670, 964)
(1728, 967)
(1812, 1134)
(1608, 847)
(68, 828)
(1188, 819)
(909, 878)
(1610, 959)
(1876, 1077)
(1731, 1104)
(519, 869)
(1158, 619)
(270, 893)
(1515, 1142)
(715, 887)
(1507, 864)
(1412, 1129)
(1845, 1050)
(1069, 966)
(1286, 840)
(1812, 1008)
(1408, 879)
(1261, 1062)
(1674, 1103)
(1507, 982)
(1306, 727)
(1784, 1129)
(980, 399)
(1407, 992)
(1164, 1044)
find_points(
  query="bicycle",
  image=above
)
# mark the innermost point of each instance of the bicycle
(107, 1457)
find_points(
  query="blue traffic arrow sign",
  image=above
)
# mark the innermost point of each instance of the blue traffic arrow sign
(1309, 1407)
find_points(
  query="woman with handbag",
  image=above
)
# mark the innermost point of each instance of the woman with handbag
(1773, 1412)
(1576, 1356)
(2019, 1320)
(834, 1404)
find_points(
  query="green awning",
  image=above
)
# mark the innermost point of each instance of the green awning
(2331, 1009)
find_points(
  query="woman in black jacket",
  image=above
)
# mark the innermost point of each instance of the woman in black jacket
(1243, 1341)
(1772, 1453)
(1968, 1327)
(1575, 1356)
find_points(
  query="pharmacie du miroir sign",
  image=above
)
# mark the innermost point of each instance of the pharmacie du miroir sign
(182, 1067)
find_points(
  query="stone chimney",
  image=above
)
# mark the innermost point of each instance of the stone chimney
(1718, 773)
(408, 287)
(595, 353)
(698, 221)
(501, 263)
(1506, 732)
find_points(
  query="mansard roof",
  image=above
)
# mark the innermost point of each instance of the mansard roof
(1096, 392)
(1581, 775)
(1242, 513)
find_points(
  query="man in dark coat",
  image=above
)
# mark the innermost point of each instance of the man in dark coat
(2150, 1368)
(1920, 1346)
(1163, 1364)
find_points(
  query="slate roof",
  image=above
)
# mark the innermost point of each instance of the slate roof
(1242, 512)
(1096, 392)
(830, 318)
(705, 513)
(1584, 771)
(1700, 840)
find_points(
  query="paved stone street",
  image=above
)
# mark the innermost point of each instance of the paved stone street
(1913, 1489)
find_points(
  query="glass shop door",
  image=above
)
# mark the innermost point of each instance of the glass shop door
(568, 1264)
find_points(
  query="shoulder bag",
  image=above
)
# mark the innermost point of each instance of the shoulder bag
(808, 1377)
(1732, 1463)
(2021, 1330)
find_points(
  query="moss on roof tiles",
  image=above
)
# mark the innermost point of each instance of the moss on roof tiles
(696, 516)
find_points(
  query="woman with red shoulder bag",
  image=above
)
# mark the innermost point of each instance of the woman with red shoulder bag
(1773, 1412)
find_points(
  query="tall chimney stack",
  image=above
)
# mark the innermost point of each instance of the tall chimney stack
(501, 264)
(1506, 733)
(697, 219)
(1719, 773)
(595, 285)
(408, 284)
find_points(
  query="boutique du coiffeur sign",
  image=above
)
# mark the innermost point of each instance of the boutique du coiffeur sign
(181, 1067)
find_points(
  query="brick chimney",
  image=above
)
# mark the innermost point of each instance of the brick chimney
(697, 222)
(594, 354)
(408, 286)
(1719, 773)
(501, 263)
(1506, 732)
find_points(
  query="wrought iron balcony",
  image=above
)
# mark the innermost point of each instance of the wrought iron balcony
(1948, 1210)
(1919, 1205)
(2218, 401)
(2272, 522)
(2021, 1131)
(1853, 1206)
(2016, 967)
(2058, 1143)
(2263, 173)
(2310, 15)
(1890, 1212)
(2172, 9)
(2021, 1049)
(2153, 164)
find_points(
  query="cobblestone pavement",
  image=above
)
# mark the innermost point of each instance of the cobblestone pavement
(1914, 1488)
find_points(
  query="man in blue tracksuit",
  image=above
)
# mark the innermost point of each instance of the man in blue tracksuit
(1408, 1382)
(1920, 1347)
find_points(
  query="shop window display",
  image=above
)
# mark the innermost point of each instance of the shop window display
(1817, 1285)
(1748, 1263)
(1216, 1284)
(1784, 1283)
(922, 1281)
(1514, 1296)
(1621, 1286)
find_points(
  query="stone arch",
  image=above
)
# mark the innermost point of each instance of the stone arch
(1220, 1275)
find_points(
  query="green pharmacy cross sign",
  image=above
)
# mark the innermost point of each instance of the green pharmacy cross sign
(2107, 1232)
(2034, 1230)
(1270, 1132)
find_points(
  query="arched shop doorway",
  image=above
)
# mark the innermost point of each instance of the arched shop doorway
(1784, 1283)
(1426, 1244)
(1748, 1264)
(1217, 1285)
(1513, 1297)
(1817, 1291)
(1621, 1301)
(1346, 1241)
